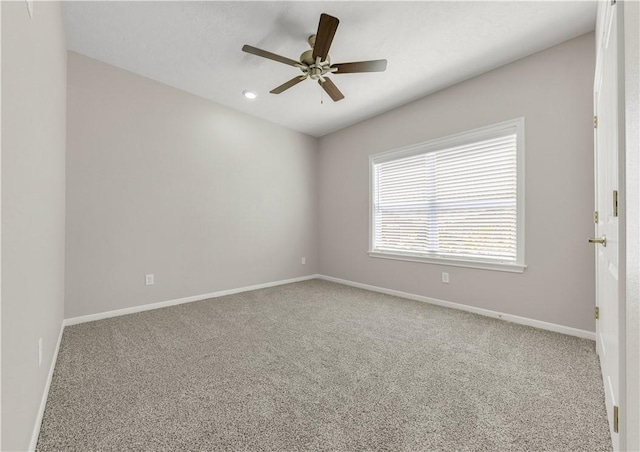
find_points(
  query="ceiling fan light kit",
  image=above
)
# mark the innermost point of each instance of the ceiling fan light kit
(315, 63)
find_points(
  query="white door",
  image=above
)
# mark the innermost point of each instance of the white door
(606, 174)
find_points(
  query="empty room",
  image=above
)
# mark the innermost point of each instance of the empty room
(304, 226)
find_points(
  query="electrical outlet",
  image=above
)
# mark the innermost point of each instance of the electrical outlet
(40, 352)
(149, 280)
(445, 278)
(304, 260)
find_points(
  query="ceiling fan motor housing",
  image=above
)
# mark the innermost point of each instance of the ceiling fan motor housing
(307, 57)
(312, 68)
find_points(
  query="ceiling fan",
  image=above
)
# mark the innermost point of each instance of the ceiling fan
(315, 63)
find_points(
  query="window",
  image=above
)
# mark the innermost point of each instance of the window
(453, 201)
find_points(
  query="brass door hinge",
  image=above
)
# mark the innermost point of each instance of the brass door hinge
(596, 313)
(595, 217)
(615, 203)
(595, 122)
(616, 421)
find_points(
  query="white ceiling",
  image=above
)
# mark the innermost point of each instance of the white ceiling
(196, 47)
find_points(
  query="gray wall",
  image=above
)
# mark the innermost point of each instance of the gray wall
(33, 204)
(553, 91)
(160, 181)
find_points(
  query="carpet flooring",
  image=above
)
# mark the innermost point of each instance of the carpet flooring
(321, 366)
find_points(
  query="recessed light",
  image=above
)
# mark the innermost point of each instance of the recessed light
(249, 94)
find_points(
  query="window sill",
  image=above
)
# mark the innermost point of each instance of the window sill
(496, 266)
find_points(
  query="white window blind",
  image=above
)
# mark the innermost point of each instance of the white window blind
(456, 202)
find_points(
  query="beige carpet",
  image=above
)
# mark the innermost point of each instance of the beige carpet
(321, 366)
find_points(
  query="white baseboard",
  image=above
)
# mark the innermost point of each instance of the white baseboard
(45, 394)
(164, 304)
(486, 312)
(447, 304)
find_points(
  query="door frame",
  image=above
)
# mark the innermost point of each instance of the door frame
(631, 15)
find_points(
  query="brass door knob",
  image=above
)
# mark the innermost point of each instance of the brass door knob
(602, 240)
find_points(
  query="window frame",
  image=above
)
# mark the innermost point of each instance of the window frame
(482, 133)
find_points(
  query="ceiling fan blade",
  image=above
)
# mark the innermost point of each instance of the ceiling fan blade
(324, 37)
(269, 55)
(361, 66)
(285, 86)
(331, 89)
